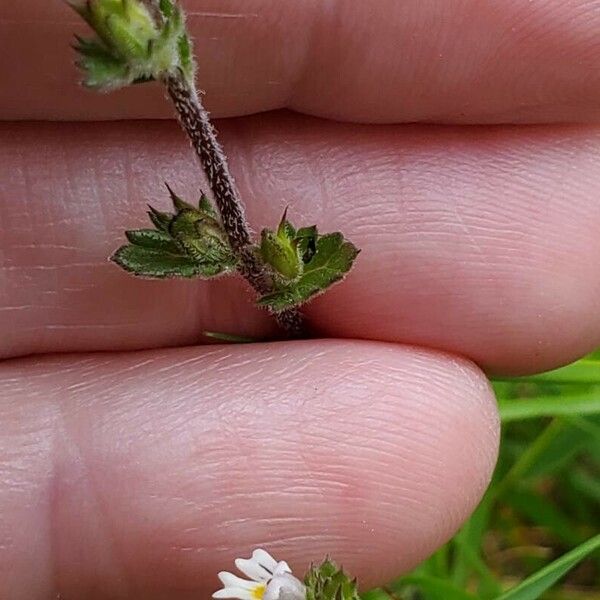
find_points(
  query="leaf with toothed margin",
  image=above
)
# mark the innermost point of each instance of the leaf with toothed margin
(332, 259)
(160, 220)
(153, 239)
(153, 264)
(189, 243)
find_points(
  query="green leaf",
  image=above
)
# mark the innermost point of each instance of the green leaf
(156, 264)
(166, 7)
(159, 219)
(230, 337)
(184, 47)
(542, 512)
(327, 581)
(190, 243)
(306, 239)
(533, 455)
(102, 69)
(153, 239)
(205, 206)
(376, 594)
(534, 586)
(333, 258)
(467, 557)
(126, 41)
(549, 406)
(307, 232)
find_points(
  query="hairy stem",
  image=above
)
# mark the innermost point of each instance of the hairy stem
(196, 123)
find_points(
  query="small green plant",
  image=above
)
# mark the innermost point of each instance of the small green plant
(146, 40)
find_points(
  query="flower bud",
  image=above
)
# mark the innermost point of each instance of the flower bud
(280, 252)
(136, 40)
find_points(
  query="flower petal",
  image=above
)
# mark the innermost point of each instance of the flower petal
(253, 569)
(233, 581)
(281, 568)
(237, 593)
(264, 559)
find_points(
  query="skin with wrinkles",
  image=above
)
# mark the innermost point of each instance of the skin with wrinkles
(474, 243)
(142, 474)
(458, 61)
(140, 479)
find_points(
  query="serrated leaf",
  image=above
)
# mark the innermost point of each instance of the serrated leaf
(329, 582)
(333, 258)
(188, 244)
(153, 239)
(160, 220)
(157, 264)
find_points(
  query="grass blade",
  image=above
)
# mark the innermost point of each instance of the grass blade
(549, 406)
(534, 586)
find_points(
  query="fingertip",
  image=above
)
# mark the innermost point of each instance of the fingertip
(167, 465)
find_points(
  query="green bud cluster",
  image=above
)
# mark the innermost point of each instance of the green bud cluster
(329, 582)
(189, 243)
(136, 40)
(303, 262)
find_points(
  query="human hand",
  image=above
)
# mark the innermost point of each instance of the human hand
(129, 474)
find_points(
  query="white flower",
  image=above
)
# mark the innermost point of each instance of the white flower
(269, 580)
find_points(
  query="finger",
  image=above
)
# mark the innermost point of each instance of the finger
(142, 475)
(481, 242)
(386, 61)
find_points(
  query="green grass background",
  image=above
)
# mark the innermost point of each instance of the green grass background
(536, 534)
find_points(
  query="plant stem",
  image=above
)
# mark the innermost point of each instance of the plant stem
(196, 123)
